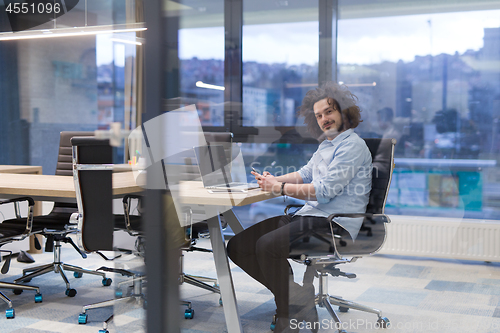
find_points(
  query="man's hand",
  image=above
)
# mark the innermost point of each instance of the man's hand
(258, 175)
(266, 181)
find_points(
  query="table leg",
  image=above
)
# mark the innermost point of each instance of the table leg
(233, 221)
(224, 275)
(37, 210)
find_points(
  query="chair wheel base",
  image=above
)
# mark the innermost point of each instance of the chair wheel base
(189, 314)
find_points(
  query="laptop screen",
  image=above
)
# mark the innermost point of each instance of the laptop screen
(213, 164)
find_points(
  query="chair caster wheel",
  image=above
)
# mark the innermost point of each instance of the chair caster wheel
(77, 275)
(17, 291)
(38, 298)
(27, 280)
(273, 324)
(189, 314)
(106, 282)
(343, 309)
(103, 331)
(10, 313)
(342, 331)
(383, 322)
(220, 301)
(70, 292)
(118, 293)
(82, 318)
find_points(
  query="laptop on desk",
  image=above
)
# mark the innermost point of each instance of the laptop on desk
(215, 170)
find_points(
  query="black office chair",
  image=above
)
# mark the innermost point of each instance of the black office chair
(11, 233)
(93, 170)
(54, 226)
(323, 250)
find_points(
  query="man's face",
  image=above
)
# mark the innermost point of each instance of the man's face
(328, 117)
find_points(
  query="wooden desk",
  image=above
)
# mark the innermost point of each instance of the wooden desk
(60, 188)
(37, 209)
(31, 169)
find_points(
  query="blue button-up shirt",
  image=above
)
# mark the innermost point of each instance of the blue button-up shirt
(341, 172)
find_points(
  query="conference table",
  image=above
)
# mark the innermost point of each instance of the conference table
(61, 188)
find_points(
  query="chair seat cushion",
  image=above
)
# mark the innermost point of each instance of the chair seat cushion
(11, 230)
(51, 221)
(135, 222)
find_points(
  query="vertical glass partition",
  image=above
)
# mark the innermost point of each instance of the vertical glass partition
(77, 72)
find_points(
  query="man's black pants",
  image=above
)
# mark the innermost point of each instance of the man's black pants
(262, 251)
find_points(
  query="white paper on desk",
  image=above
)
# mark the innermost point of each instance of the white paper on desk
(168, 155)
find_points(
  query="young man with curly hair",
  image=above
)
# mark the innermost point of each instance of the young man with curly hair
(337, 179)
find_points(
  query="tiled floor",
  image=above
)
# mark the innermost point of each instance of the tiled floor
(416, 294)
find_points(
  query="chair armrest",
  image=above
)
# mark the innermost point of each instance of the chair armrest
(126, 212)
(291, 206)
(30, 200)
(384, 217)
(131, 196)
(29, 219)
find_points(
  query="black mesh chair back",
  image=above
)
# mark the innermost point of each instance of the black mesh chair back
(372, 236)
(95, 193)
(382, 152)
(64, 158)
(65, 168)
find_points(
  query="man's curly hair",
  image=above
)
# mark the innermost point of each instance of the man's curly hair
(339, 97)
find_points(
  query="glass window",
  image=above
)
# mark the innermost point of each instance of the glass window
(280, 60)
(201, 57)
(433, 85)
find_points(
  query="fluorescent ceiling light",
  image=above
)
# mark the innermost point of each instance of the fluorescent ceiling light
(72, 32)
(125, 41)
(200, 84)
(373, 84)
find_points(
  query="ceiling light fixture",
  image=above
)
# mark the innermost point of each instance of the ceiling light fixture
(72, 32)
(200, 84)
